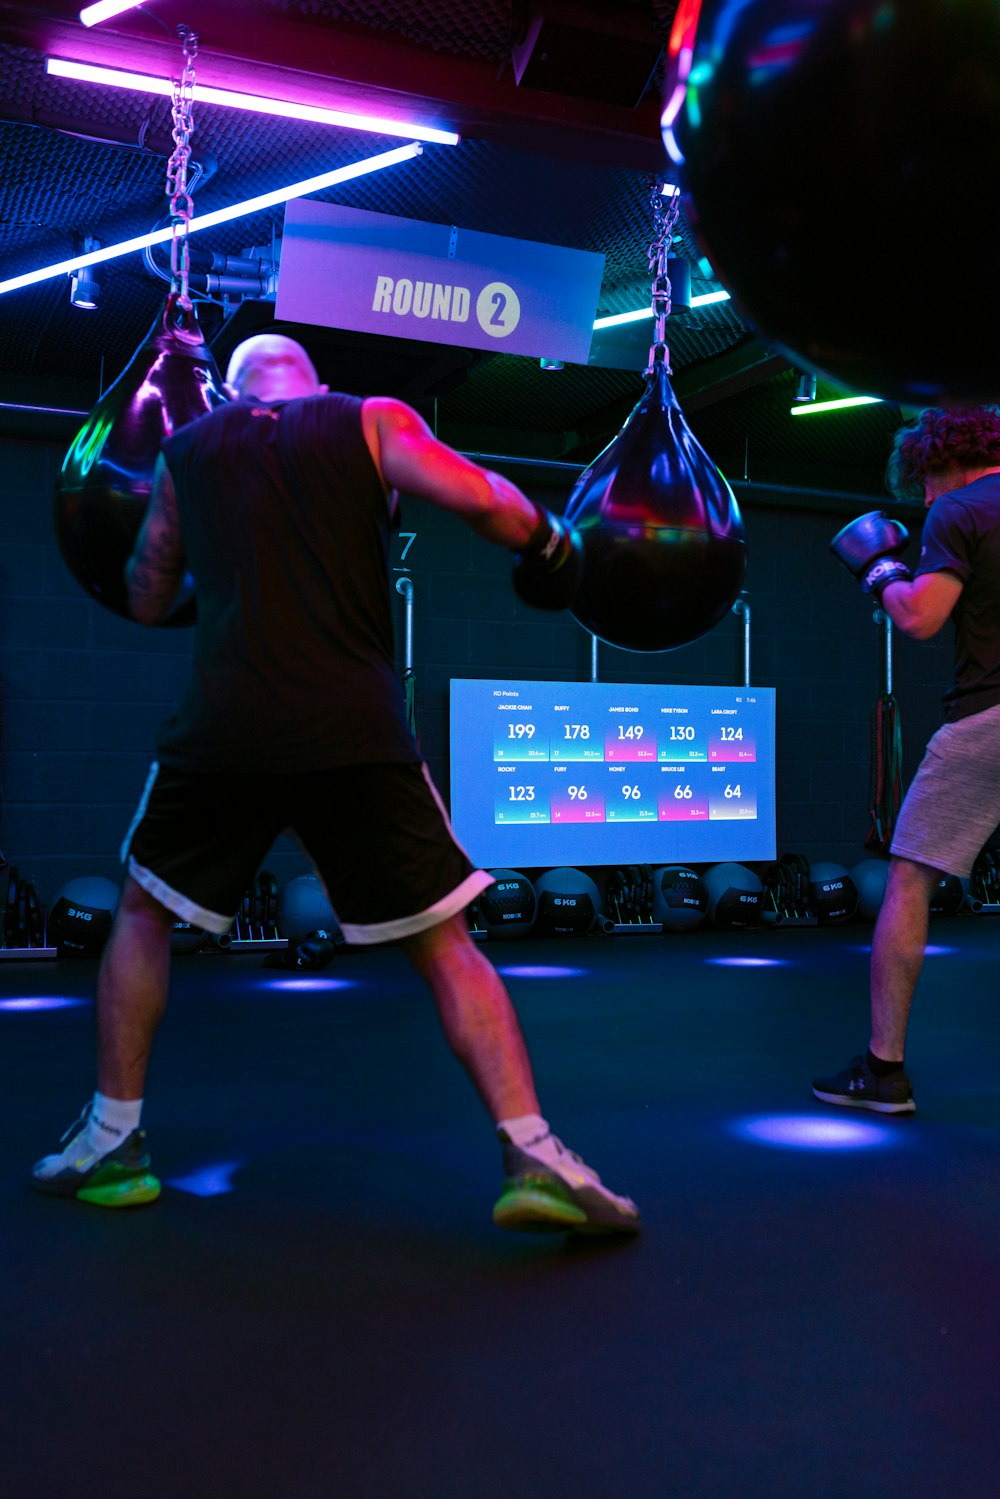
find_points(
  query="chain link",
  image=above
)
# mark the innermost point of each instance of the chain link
(181, 205)
(665, 211)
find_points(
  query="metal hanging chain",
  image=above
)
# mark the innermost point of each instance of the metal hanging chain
(665, 211)
(181, 205)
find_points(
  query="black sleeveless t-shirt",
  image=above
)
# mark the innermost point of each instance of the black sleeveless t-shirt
(286, 529)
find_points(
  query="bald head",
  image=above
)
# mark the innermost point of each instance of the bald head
(271, 367)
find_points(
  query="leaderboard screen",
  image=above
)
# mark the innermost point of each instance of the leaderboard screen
(551, 773)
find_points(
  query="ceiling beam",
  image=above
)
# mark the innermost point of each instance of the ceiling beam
(746, 364)
(699, 385)
(343, 65)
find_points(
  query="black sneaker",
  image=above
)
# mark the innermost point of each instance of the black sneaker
(121, 1178)
(857, 1087)
(550, 1189)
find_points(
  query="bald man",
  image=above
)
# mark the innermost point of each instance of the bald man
(282, 505)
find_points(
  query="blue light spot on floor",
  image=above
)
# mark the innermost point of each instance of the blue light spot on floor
(748, 962)
(305, 984)
(42, 1002)
(810, 1132)
(209, 1181)
(540, 971)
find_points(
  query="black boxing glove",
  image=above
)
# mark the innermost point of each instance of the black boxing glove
(314, 950)
(870, 548)
(548, 569)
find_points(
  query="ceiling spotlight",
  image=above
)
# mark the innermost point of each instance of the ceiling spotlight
(551, 364)
(806, 389)
(84, 286)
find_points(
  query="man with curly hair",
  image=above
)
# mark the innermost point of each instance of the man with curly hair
(951, 461)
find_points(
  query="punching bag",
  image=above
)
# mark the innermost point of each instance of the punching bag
(103, 489)
(662, 533)
(818, 147)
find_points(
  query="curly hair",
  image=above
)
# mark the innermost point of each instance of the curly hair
(939, 440)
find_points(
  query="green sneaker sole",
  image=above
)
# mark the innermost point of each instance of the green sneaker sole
(535, 1211)
(117, 1190)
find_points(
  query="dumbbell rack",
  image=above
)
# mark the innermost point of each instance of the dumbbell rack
(785, 901)
(628, 903)
(23, 937)
(630, 928)
(984, 887)
(255, 926)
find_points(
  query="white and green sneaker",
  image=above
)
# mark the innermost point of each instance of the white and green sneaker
(550, 1189)
(120, 1178)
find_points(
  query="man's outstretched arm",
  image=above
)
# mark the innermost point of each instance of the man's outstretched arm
(549, 564)
(409, 457)
(921, 608)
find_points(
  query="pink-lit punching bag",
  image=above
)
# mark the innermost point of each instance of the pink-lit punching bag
(103, 489)
(821, 148)
(662, 533)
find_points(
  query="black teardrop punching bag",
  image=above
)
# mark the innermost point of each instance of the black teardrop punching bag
(103, 489)
(662, 533)
(822, 147)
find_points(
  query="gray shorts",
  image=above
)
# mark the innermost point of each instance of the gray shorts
(953, 804)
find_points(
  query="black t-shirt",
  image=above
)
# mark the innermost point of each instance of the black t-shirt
(962, 536)
(286, 529)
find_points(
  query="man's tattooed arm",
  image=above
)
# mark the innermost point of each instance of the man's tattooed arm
(155, 570)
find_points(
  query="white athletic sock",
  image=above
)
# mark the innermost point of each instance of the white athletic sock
(111, 1121)
(525, 1130)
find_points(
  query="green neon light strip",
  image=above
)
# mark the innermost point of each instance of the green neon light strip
(808, 407)
(616, 319)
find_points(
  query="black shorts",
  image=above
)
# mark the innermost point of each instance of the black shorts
(378, 835)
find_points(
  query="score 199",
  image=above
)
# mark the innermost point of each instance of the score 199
(570, 731)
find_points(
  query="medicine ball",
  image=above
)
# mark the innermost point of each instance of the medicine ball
(869, 877)
(507, 908)
(833, 894)
(948, 896)
(680, 898)
(81, 915)
(304, 908)
(569, 902)
(734, 895)
(185, 938)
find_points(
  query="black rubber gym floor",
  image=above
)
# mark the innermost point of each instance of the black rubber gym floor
(319, 1305)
